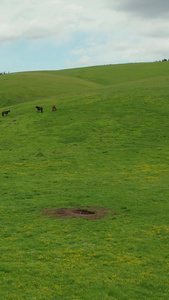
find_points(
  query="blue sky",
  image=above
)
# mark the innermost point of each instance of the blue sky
(62, 34)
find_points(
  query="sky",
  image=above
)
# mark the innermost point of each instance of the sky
(63, 34)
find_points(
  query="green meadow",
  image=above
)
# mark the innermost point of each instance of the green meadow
(107, 145)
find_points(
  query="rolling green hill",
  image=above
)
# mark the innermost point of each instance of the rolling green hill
(107, 146)
(28, 86)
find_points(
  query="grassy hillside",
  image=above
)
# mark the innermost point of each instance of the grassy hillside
(116, 74)
(107, 146)
(29, 86)
(25, 87)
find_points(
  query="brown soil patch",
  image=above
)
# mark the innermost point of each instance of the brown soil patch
(89, 213)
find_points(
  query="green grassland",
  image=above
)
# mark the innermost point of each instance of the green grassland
(107, 145)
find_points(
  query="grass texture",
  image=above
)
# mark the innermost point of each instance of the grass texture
(107, 145)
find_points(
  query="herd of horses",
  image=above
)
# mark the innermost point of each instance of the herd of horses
(39, 108)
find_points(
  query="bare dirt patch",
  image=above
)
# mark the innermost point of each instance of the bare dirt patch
(89, 213)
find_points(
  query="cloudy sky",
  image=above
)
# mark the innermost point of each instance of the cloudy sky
(62, 34)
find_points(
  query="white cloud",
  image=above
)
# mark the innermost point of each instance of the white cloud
(58, 18)
(93, 31)
(82, 61)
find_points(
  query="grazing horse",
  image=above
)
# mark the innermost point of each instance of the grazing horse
(53, 107)
(39, 108)
(5, 112)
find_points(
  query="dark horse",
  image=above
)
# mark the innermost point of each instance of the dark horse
(5, 112)
(39, 108)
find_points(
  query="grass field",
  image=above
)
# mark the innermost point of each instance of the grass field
(107, 145)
